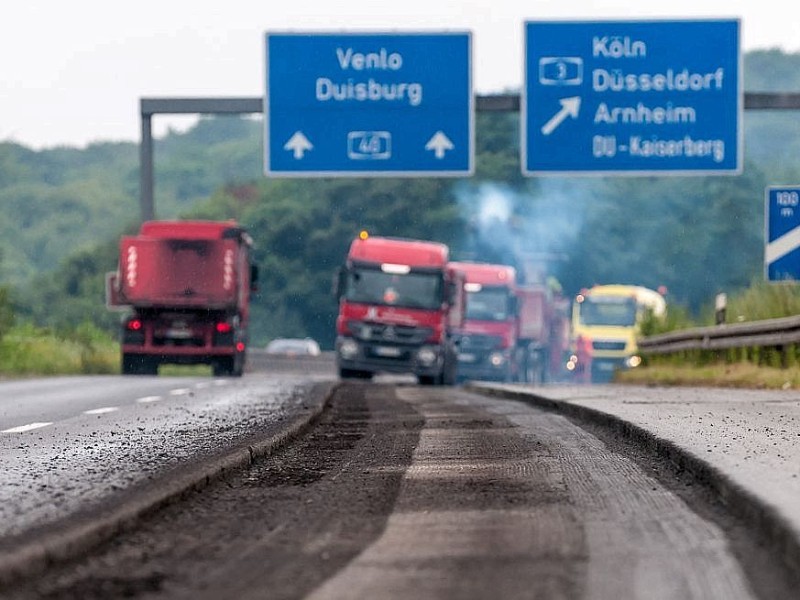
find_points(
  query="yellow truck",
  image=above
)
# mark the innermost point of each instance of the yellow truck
(605, 326)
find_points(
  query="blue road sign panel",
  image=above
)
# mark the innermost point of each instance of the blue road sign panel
(655, 97)
(782, 248)
(368, 104)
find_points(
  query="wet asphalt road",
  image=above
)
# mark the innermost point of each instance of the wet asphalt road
(403, 491)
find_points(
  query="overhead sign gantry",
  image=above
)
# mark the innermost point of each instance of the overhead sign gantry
(632, 97)
(362, 104)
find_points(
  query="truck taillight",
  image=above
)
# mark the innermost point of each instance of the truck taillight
(224, 327)
(134, 325)
(240, 346)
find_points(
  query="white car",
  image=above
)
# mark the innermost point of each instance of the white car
(293, 347)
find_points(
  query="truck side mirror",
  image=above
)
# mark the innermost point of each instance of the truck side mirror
(253, 278)
(451, 291)
(339, 282)
(513, 305)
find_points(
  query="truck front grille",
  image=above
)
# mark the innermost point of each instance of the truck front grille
(394, 334)
(608, 345)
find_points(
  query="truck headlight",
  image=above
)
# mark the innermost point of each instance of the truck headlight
(426, 356)
(497, 359)
(633, 361)
(348, 349)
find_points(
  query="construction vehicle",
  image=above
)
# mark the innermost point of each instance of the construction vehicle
(185, 286)
(512, 332)
(399, 302)
(605, 325)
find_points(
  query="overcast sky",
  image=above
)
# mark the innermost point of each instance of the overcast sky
(72, 72)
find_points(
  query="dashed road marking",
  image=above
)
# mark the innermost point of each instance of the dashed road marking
(148, 399)
(101, 411)
(179, 392)
(28, 427)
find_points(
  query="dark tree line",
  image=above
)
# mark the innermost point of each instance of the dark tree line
(64, 210)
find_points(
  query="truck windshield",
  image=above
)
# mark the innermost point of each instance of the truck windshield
(620, 312)
(488, 304)
(410, 290)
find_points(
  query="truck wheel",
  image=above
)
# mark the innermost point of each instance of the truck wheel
(223, 367)
(354, 374)
(138, 365)
(238, 366)
(129, 365)
(347, 374)
(427, 379)
(450, 373)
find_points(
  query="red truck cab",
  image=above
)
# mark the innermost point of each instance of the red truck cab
(186, 286)
(398, 305)
(487, 342)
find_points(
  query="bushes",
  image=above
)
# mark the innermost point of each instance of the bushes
(6, 312)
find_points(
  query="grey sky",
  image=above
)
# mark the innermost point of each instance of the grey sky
(72, 73)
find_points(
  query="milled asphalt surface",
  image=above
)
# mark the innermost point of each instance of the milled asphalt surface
(151, 460)
(744, 443)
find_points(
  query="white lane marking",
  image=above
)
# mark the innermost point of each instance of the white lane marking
(28, 427)
(179, 392)
(202, 385)
(220, 382)
(101, 411)
(148, 399)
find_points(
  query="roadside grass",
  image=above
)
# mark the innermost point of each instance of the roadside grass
(185, 370)
(742, 375)
(755, 368)
(26, 350)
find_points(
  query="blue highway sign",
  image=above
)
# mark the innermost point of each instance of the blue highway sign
(368, 104)
(782, 248)
(661, 97)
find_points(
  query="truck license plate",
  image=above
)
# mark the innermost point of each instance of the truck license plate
(464, 357)
(179, 334)
(387, 351)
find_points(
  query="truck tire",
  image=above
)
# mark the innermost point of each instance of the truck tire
(129, 367)
(222, 367)
(133, 364)
(238, 366)
(450, 372)
(354, 374)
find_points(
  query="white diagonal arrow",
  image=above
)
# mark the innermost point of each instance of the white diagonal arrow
(782, 246)
(569, 108)
(440, 144)
(298, 144)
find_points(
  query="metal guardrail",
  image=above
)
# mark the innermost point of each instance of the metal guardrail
(769, 333)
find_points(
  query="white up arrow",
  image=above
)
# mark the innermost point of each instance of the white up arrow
(569, 108)
(298, 144)
(440, 144)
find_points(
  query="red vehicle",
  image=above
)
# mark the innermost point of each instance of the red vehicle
(398, 304)
(187, 286)
(543, 333)
(511, 332)
(488, 339)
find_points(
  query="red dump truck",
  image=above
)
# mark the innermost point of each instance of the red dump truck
(398, 305)
(543, 333)
(186, 286)
(512, 332)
